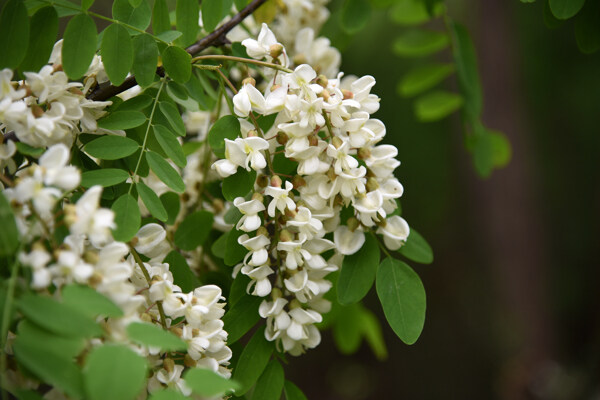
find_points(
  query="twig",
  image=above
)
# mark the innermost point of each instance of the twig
(106, 91)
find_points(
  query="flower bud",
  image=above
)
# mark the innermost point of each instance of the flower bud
(276, 50)
(146, 317)
(282, 138)
(299, 59)
(372, 184)
(257, 196)
(218, 205)
(322, 81)
(313, 140)
(347, 94)
(331, 174)
(285, 236)
(95, 279)
(37, 111)
(325, 94)
(298, 181)
(290, 213)
(177, 331)
(295, 304)
(91, 257)
(276, 181)
(249, 80)
(188, 361)
(262, 181)
(352, 223)
(262, 231)
(337, 142)
(364, 153)
(252, 133)
(168, 364)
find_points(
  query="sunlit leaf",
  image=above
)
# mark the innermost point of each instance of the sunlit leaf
(437, 105)
(252, 361)
(79, 45)
(14, 34)
(419, 43)
(127, 218)
(207, 383)
(111, 147)
(358, 272)
(270, 383)
(154, 336)
(145, 59)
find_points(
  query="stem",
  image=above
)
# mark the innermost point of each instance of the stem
(328, 123)
(382, 246)
(137, 166)
(10, 293)
(138, 260)
(242, 60)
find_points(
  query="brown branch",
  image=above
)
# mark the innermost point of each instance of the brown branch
(217, 37)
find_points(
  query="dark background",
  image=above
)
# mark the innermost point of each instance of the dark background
(513, 302)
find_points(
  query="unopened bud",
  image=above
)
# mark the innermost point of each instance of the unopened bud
(95, 279)
(168, 364)
(322, 81)
(275, 50)
(298, 181)
(252, 133)
(299, 59)
(262, 231)
(177, 331)
(347, 94)
(295, 304)
(338, 200)
(331, 174)
(188, 361)
(218, 205)
(381, 222)
(290, 213)
(37, 111)
(76, 91)
(249, 80)
(70, 214)
(91, 257)
(352, 223)
(364, 153)
(325, 94)
(145, 317)
(337, 142)
(313, 140)
(285, 236)
(276, 181)
(262, 181)
(257, 196)
(282, 138)
(372, 184)
(276, 293)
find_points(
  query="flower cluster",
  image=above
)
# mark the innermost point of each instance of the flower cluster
(324, 126)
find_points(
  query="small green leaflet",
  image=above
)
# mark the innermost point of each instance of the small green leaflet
(154, 336)
(355, 15)
(28, 150)
(160, 20)
(177, 63)
(270, 384)
(105, 177)
(111, 147)
(145, 59)
(122, 120)
(416, 248)
(193, 230)
(56, 317)
(565, 9)
(292, 392)
(89, 302)
(587, 28)
(211, 14)
(182, 274)
(252, 361)
(169, 36)
(114, 372)
(436, 105)
(186, 20)
(483, 156)
(151, 201)
(235, 251)
(127, 218)
(241, 317)
(206, 383)
(227, 127)
(165, 172)
(59, 346)
(137, 103)
(44, 29)
(170, 145)
(358, 272)
(419, 43)
(14, 34)
(402, 297)
(347, 328)
(172, 204)
(465, 60)
(79, 45)
(413, 12)
(173, 116)
(117, 53)
(9, 235)
(423, 78)
(238, 184)
(371, 328)
(138, 17)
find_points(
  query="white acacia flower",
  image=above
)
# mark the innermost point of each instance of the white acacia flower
(281, 199)
(250, 220)
(152, 241)
(295, 253)
(343, 160)
(370, 207)
(395, 232)
(260, 281)
(248, 99)
(306, 225)
(7, 91)
(346, 241)
(91, 220)
(256, 246)
(259, 49)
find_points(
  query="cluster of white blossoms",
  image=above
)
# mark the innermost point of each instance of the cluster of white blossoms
(88, 255)
(325, 126)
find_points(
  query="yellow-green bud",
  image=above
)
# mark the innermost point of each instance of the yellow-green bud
(286, 236)
(276, 50)
(249, 80)
(337, 142)
(276, 181)
(282, 138)
(352, 223)
(364, 153)
(372, 184)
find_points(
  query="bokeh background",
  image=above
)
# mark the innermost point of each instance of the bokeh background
(513, 294)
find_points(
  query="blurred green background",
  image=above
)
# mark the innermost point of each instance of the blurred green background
(513, 294)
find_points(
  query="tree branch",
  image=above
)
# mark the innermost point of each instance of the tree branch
(217, 37)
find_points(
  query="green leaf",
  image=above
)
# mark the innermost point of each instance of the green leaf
(14, 34)
(89, 302)
(211, 14)
(252, 361)
(402, 297)
(186, 20)
(266, 13)
(416, 248)
(122, 120)
(371, 328)
(587, 28)
(423, 78)
(9, 235)
(79, 45)
(436, 105)
(293, 392)
(172, 204)
(145, 59)
(170, 145)
(86, 4)
(347, 328)
(219, 247)
(160, 17)
(239, 184)
(413, 12)
(105, 177)
(165, 172)
(151, 201)
(193, 230)
(355, 15)
(419, 43)
(58, 346)
(358, 272)
(173, 116)
(169, 36)
(114, 372)
(483, 153)
(207, 383)
(154, 336)
(235, 251)
(232, 216)
(177, 63)
(28, 150)
(227, 127)
(135, 3)
(137, 103)
(49, 367)
(270, 384)
(117, 53)
(182, 274)
(465, 60)
(138, 17)
(111, 147)
(56, 317)
(241, 317)
(44, 29)
(550, 20)
(127, 218)
(501, 150)
(168, 394)
(565, 9)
